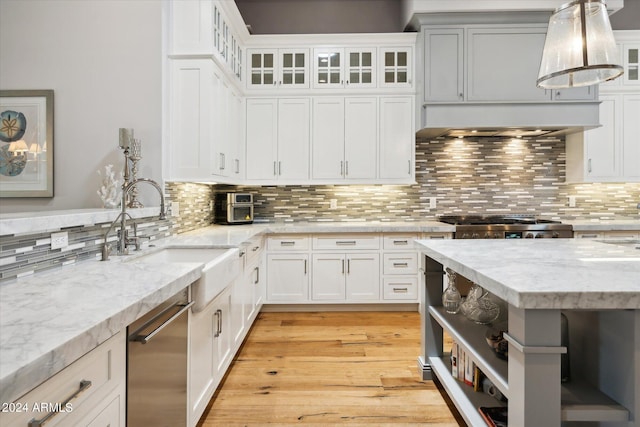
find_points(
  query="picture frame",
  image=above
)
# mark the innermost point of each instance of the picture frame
(26, 143)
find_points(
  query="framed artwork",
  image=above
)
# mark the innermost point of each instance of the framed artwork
(26, 143)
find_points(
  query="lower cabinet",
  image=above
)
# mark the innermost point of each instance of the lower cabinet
(288, 277)
(94, 385)
(209, 352)
(350, 277)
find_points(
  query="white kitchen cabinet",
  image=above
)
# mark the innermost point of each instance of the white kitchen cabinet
(95, 384)
(278, 133)
(227, 116)
(397, 139)
(344, 138)
(278, 69)
(611, 152)
(342, 276)
(396, 67)
(288, 277)
(190, 125)
(341, 67)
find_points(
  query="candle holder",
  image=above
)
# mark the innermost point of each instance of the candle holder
(134, 155)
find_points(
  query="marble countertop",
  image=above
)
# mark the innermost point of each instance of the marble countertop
(50, 319)
(602, 225)
(547, 274)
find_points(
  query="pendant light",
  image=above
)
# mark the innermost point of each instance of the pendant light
(580, 48)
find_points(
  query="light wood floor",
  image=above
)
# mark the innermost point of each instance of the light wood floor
(356, 368)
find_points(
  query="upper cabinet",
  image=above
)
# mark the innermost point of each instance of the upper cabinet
(278, 69)
(344, 67)
(611, 153)
(488, 63)
(333, 64)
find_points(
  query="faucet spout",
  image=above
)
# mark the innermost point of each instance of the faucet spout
(126, 189)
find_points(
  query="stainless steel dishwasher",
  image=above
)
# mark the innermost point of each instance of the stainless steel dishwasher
(157, 365)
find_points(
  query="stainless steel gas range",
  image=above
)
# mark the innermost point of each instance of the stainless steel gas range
(507, 227)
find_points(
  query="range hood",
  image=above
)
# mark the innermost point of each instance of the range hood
(504, 120)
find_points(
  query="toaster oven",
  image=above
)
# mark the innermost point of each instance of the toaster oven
(233, 208)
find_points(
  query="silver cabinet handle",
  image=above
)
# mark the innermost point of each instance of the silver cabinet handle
(342, 266)
(588, 236)
(84, 385)
(409, 170)
(146, 338)
(346, 168)
(237, 165)
(461, 95)
(589, 165)
(255, 248)
(348, 266)
(279, 168)
(257, 270)
(401, 264)
(401, 290)
(341, 168)
(287, 243)
(400, 242)
(222, 161)
(345, 242)
(275, 171)
(305, 266)
(218, 315)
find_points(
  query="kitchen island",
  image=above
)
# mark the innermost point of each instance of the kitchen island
(597, 286)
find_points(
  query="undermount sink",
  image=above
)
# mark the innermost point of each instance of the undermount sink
(221, 266)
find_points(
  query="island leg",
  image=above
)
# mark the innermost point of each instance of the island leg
(431, 335)
(534, 367)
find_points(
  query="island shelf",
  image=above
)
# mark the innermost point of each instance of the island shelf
(530, 379)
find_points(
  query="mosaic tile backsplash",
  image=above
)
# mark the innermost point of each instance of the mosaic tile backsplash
(470, 176)
(21, 255)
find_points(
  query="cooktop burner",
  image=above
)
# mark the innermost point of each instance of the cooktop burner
(495, 219)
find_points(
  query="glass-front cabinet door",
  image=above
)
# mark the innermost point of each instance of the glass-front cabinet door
(328, 68)
(294, 69)
(396, 67)
(360, 67)
(631, 63)
(262, 68)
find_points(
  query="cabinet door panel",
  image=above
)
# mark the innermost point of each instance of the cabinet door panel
(294, 68)
(293, 138)
(396, 138)
(444, 61)
(631, 137)
(328, 281)
(287, 277)
(328, 138)
(363, 277)
(503, 64)
(601, 144)
(361, 138)
(261, 138)
(191, 114)
(328, 68)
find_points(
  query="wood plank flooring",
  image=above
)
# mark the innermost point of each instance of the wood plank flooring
(329, 368)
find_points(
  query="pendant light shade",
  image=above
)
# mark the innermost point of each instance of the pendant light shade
(579, 49)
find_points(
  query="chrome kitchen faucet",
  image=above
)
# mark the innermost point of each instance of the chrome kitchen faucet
(124, 241)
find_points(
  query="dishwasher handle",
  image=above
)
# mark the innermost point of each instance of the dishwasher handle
(146, 338)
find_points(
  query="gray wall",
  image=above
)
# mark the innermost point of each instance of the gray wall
(103, 59)
(358, 16)
(321, 16)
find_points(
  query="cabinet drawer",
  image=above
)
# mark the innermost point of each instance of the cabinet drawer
(290, 242)
(398, 241)
(346, 242)
(400, 263)
(89, 379)
(253, 248)
(401, 288)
